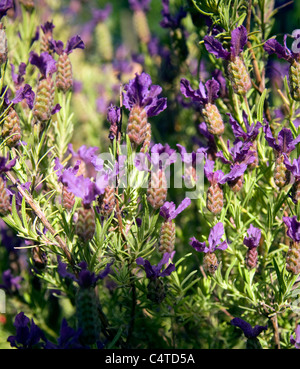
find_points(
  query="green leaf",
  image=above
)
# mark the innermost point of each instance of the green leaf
(260, 106)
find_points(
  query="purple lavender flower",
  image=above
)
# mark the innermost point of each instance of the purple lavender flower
(140, 92)
(285, 142)
(296, 341)
(27, 337)
(155, 271)
(6, 166)
(213, 176)
(294, 168)
(5, 5)
(214, 240)
(101, 15)
(85, 278)
(69, 338)
(293, 226)
(169, 211)
(44, 62)
(73, 43)
(169, 20)
(114, 117)
(18, 78)
(247, 329)
(235, 66)
(23, 93)
(254, 235)
(238, 41)
(251, 130)
(272, 46)
(205, 94)
(162, 155)
(48, 27)
(10, 283)
(137, 5)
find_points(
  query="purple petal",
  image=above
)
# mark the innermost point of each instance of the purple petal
(73, 43)
(24, 92)
(55, 109)
(272, 46)
(198, 246)
(215, 235)
(215, 47)
(238, 40)
(45, 63)
(212, 88)
(237, 171)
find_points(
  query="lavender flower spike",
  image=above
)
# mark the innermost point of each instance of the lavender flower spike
(293, 254)
(206, 95)
(284, 144)
(252, 242)
(215, 197)
(235, 66)
(214, 240)
(140, 92)
(272, 46)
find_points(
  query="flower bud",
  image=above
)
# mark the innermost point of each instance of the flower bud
(64, 76)
(141, 26)
(294, 79)
(137, 127)
(281, 175)
(68, 199)
(156, 290)
(293, 258)
(107, 201)
(167, 237)
(238, 76)
(11, 128)
(251, 258)
(213, 119)
(157, 189)
(5, 207)
(237, 184)
(85, 225)
(87, 315)
(210, 263)
(44, 99)
(214, 200)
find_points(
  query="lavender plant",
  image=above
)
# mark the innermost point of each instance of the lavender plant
(103, 244)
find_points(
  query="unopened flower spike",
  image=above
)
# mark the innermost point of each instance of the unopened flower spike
(156, 287)
(140, 97)
(47, 29)
(252, 242)
(293, 254)
(284, 144)
(215, 196)
(64, 75)
(44, 98)
(251, 333)
(272, 46)
(11, 128)
(235, 66)
(210, 261)
(206, 95)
